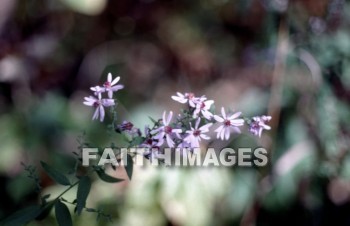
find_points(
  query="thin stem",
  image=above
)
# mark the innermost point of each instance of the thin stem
(65, 191)
(71, 186)
(99, 212)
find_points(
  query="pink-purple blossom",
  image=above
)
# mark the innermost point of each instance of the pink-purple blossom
(166, 131)
(188, 97)
(258, 124)
(98, 102)
(228, 123)
(203, 107)
(99, 105)
(110, 86)
(197, 133)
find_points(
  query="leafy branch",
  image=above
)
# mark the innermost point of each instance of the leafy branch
(63, 216)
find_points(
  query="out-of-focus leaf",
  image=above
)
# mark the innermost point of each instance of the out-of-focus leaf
(55, 175)
(296, 163)
(22, 216)
(345, 170)
(88, 7)
(20, 186)
(129, 166)
(84, 187)
(107, 178)
(328, 122)
(63, 216)
(45, 196)
(45, 210)
(240, 193)
(152, 119)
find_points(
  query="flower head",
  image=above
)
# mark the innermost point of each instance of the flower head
(257, 125)
(110, 86)
(229, 123)
(188, 97)
(99, 105)
(150, 146)
(98, 90)
(166, 131)
(128, 128)
(203, 107)
(196, 134)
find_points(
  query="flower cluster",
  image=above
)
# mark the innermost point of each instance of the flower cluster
(98, 102)
(200, 104)
(182, 134)
(188, 129)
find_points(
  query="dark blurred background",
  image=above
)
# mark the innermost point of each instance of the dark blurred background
(289, 59)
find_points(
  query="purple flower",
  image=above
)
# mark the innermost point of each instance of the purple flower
(150, 146)
(110, 86)
(203, 107)
(196, 134)
(128, 128)
(166, 131)
(98, 90)
(228, 123)
(99, 104)
(188, 97)
(257, 125)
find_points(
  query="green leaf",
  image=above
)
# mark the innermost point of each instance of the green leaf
(63, 216)
(91, 210)
(55, 175)
(84, 187)
(106, 178)
(22, 216)
(129, 166)
(46, 196)
(44, 199)
(45, 210)
(152, 119)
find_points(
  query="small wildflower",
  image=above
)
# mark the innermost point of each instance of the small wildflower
(166, 131)
(99, 104)
(196, 134)
(129, 128)
(98, 90)
(203, 107)
(149, 145)
(126, 126)
(110, 86)
(188, 97)
(228, 123)
(257, 125)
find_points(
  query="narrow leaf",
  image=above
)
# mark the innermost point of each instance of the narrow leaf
(91, 210)
(84, 187)
(129, 166)
(44, 199)
(55, 174)
(45, 210)
(63, 216)
(22, 216)
(46, 196)
(152, 119)
(106, 178)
